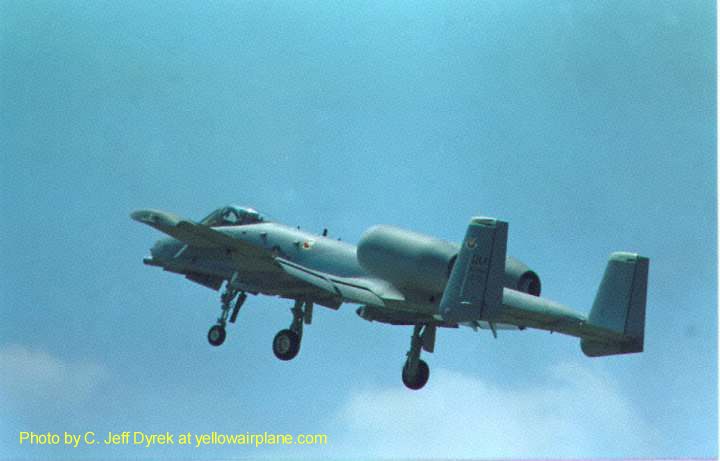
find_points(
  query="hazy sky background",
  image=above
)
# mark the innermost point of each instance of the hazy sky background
(589, 126)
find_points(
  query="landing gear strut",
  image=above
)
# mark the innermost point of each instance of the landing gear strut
(216, 335)
(415, 372)
(286, 343)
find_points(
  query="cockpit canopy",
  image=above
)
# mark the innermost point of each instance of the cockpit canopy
(233, 215)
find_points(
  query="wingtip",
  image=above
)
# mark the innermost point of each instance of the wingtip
(155, 217)
(143, 216)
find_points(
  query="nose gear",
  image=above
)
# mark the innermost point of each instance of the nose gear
(217, 334)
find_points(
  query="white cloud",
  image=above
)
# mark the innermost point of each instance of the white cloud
(32, 374)
(573, 412)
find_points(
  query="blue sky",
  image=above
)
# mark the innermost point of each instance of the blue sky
(589, 126)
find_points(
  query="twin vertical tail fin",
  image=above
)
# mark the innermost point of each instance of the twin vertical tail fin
(619, 306)
(616, 324)
(475, 288)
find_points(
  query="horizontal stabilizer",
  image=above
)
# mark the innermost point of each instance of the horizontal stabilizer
(475, 287)
(619, 306)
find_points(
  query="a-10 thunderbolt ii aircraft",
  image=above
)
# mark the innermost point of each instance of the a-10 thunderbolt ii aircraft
(397, 276)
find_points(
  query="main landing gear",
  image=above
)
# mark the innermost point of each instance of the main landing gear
(216, 335)
(415, 372)
(286, 343)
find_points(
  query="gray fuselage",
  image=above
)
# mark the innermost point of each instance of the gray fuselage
(313, 251)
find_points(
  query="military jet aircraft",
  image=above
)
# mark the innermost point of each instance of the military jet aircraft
(397, 277)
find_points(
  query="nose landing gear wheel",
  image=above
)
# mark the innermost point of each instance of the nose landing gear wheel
(419, 379)
(286, 345)
(216, 335)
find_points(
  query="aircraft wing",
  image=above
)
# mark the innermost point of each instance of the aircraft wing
(350, 289)
(198, 235)
(288, 278)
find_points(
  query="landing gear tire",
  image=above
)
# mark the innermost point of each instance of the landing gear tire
(286, 345)
(421, 375)
(216, 335)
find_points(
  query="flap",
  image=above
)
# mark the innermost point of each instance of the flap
(354, 290)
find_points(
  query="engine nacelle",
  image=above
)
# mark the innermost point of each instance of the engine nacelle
(422, 263)
(407, 259)
(520, 277)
